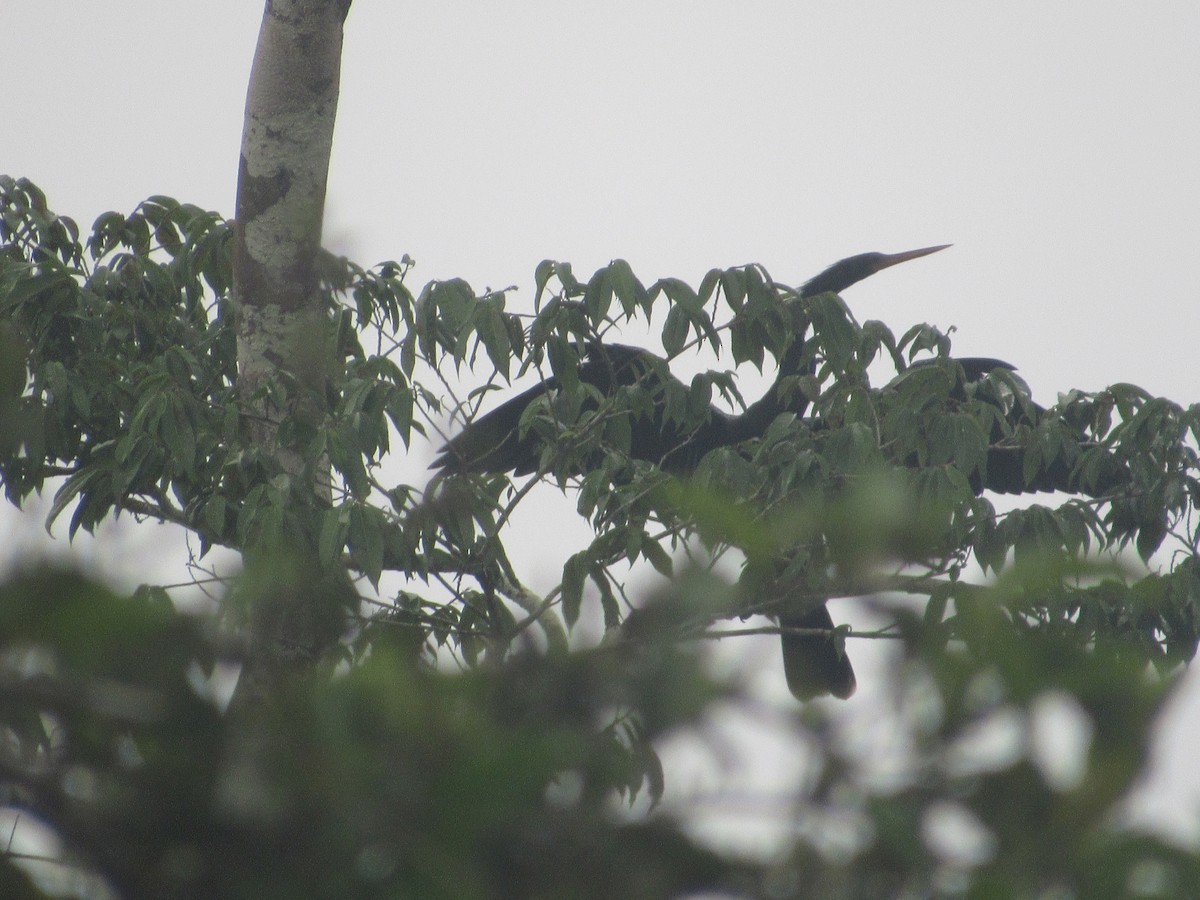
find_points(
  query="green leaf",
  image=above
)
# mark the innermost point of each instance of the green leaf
(679, 292)
(1031, 463)
(618, 433)
(733, 284)
(566, 276)
(214, 516)
(1149, 539)
(574, 573)
(598, 297)
(365, 536)
(658, 557)
(72, 488)
(180, 439)
(935, 610)
(630, 292)
(608, 602)
(924, 337)
(335, 525)
(35, 282)
(455, 302)
(541, 275)
(516, 335)
(564, 363)
(675, 330)
(875, 334)
(489, 324)
(958, 439)
(834, 326)
(709, 284)
(760, 293)
(743, 343)
(400, 405)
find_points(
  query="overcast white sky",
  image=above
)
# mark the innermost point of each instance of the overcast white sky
(1055, 144)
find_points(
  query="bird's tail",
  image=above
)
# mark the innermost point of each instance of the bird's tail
(813, 664)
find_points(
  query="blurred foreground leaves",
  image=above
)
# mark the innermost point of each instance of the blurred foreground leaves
(380, 779)
(383, 778)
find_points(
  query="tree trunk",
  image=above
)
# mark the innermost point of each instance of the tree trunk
(283, 347)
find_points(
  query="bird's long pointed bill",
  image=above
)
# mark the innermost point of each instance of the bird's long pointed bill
(890, 259)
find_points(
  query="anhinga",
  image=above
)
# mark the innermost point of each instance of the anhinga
(812, 663)
(493, 443)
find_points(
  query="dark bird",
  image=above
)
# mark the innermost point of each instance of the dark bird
(813, 664)
(1005, 471)
(493, 443)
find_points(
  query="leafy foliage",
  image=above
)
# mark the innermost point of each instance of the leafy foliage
(380, 773)
(387, 781)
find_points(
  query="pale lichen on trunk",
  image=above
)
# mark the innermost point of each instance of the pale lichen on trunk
(290, 110)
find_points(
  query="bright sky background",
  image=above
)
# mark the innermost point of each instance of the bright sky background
(1055, 144)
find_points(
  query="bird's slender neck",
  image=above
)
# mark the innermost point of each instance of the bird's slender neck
(762, 412)
(841, 275)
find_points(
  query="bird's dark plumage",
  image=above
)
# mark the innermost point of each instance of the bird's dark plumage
(813, 664)
(493, 443)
